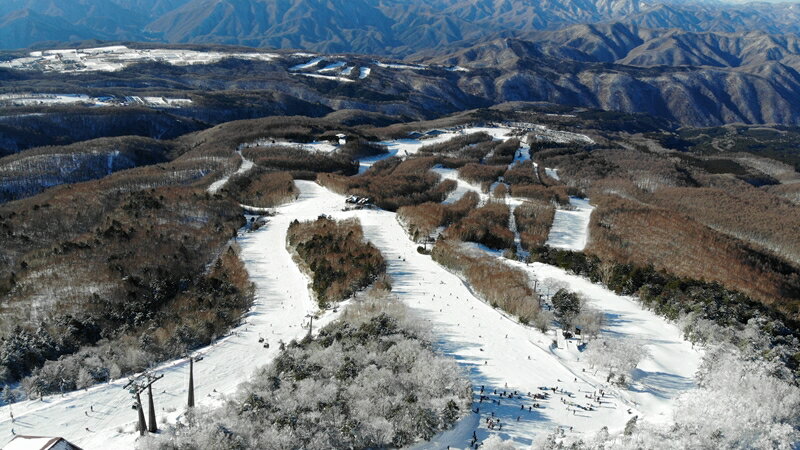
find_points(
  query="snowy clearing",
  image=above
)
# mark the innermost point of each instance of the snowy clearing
(669, 369)
(399, 66)
(570, 230)
(462, 187)
(307, 65)
(114, 58)
(363, 72)
(325, 77)
(41, 99)
(552, 173)
(332, 67)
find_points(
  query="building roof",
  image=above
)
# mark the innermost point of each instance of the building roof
(39, 443)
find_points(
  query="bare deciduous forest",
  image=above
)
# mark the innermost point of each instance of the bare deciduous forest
(337, 256)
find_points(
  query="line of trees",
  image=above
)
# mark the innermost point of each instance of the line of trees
(487, 225)
(261, 188)
(497, 283)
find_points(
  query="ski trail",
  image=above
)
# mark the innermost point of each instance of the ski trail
(570, 229)
(245, 166)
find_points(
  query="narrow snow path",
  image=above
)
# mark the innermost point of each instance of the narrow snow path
(552, 173)
(245, 166)
(570, 230)
(307, 65)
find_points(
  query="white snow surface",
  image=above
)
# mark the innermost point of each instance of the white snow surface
(332, 67)
(400, 66)
(363, 72)
(462, 186)
(326, 77)
(115, 58)
(552, 173)
(570, 230)
(406, 147)
(42, 99)
(308, 65)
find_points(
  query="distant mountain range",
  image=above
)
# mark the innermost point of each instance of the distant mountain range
(693, 78)
(698, 63)
(384, 27)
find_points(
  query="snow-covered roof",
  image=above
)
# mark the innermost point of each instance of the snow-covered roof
(39, 443)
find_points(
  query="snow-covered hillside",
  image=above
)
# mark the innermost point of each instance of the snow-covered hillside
(570, 230)
(39, 99)
(498, 353)
(117, 57)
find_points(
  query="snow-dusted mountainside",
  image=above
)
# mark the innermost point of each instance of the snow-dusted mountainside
(557, 192)
(670, 75)
(391, 27)
(497, 352)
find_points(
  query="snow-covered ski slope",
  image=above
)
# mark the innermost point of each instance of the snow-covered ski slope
(570, 230)
(118, 57)
(244, 167)
(495, 351)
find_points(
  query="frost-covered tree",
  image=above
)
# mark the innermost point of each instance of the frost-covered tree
(368, 380)
(590, 322)
(618, 355)
(739, 404)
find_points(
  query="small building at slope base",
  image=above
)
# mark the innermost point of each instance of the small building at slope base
(22, 442)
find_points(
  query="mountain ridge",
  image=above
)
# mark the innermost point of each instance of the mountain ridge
(383, 27)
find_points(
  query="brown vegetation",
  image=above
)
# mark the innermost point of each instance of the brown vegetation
(742, 211)
(480, 173)
(337, 256)
(504, 152)
(627, 231)
(534, 220)
(393, 183)
(522, 173)
(459, 144)
(556, 195)
(93, 261)
(420, 221)
(487, 225)
(498, 284)
(302, 163)
(261, 188)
